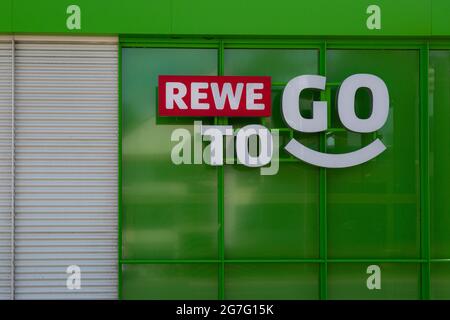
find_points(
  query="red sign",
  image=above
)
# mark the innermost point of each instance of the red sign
(214, 96)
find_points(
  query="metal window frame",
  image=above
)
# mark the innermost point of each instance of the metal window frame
(422, 45)
(13, 174)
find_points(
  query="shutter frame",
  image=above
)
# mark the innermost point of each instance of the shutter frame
(5, 166)
(66, 160)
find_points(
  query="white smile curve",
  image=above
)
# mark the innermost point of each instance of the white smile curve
(327, 160)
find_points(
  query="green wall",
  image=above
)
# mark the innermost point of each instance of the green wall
(232, 17)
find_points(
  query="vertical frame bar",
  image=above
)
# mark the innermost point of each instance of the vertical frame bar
(119, 173)
(424, 173)
(221, 195)
(323, 193)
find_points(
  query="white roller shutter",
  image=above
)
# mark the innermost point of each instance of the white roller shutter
(66, 159)
(5, 167)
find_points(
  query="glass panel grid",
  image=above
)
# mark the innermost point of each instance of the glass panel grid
(323, 261)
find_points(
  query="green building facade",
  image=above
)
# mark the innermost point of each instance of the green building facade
(204, 232)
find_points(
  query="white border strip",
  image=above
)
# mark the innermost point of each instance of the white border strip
(62, 39)
(4, 38)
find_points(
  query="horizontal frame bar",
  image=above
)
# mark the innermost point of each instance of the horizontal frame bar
(294, 43)
(356, 260)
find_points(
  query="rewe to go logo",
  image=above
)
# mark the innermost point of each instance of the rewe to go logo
(255, 145)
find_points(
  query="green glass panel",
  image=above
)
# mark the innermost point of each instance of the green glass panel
(170, 281)
(280, 64)
(439, 106)
(288, 281)
(349, 281)
(440, 280)
(272, 216)
(373, 208)
(169, 211)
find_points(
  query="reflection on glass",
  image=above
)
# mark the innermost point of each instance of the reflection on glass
(277, 281)
(273, 216)
(169, 211)
(373, 209)
(439, 109)
(170, 281)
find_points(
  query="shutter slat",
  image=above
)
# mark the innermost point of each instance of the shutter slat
(66, 168)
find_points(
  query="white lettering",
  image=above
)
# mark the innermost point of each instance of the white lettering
(265, 144)
(346, 103)
(196, 96)
(227, 93)
(251, 96)
(291, 100)
(177, 97)
(214, 152)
